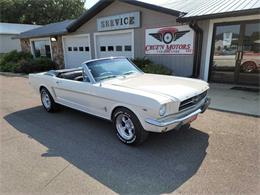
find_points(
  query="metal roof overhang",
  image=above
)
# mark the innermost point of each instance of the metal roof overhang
(220, 15)
(40, 35)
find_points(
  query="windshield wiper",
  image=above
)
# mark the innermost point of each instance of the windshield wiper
(108, 77)
(129, 72)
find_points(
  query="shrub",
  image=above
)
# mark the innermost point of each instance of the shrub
(9, 67)
(148, 66)
(156, 69)
(141, 62)
(15, 56)
(9, 62)
(22, 62)
(37, 65)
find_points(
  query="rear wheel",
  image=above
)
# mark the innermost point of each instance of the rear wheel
(248, 67)
(128, 128)
(47, 100)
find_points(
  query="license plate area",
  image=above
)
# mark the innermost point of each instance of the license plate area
(193, 118)
(190, 120)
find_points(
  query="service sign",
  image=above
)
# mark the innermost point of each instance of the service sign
(173, 40)
(117, 22)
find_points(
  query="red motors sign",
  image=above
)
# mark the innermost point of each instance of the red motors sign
(169, 40)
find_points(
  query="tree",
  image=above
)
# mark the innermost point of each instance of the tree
(40, 11)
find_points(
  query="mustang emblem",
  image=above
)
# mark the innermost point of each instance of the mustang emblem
(167, 35)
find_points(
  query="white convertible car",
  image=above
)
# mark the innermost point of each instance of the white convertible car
(115, 89)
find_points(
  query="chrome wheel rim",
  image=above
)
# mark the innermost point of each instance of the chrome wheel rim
(125, 127)
(46, 100)
(249, 68)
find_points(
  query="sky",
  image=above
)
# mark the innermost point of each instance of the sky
(90, 3)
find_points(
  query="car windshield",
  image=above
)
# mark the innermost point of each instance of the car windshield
(111, 68)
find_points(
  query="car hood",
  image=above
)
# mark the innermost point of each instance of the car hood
(173, 87)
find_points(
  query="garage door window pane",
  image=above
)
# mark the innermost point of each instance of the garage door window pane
(128, 48)
(118, 48)
(110, 48)
(81, 49)
(75, 49)
(69, 49)
(103, 48)
(86, 48)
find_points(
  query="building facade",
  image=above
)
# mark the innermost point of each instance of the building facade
(8, 31)
(218, 46)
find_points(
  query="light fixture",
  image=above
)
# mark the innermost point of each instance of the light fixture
(53, 39)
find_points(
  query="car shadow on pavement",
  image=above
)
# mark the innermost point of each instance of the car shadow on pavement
(160, 165)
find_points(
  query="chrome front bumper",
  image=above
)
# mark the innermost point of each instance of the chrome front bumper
(182, 118)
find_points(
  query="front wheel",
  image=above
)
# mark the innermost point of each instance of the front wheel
(47, 100)
(128, 128)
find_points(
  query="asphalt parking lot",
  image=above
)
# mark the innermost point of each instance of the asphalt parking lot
(72, 152)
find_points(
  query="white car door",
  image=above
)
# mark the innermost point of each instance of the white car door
(81, 96)
(74, 94)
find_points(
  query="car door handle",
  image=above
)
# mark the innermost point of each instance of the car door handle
(58, 82)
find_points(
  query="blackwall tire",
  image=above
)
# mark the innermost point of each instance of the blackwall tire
(128, 127)
(249, 67)
(47, 100)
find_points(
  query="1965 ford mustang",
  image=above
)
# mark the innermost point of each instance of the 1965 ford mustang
(115, 89)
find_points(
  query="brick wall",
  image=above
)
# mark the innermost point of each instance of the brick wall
(56, 46)
(25, 45)
(57, 52)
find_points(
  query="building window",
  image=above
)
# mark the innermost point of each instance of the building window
(118, 48)
(81, 49)
(69, 49)
(75, 48)
(128, 48)
(41, 48)
(103, 48)
(86, 48)
(110, 48)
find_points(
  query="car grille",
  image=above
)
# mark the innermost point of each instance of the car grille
(192, 101)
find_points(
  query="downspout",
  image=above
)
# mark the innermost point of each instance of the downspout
(197, 48)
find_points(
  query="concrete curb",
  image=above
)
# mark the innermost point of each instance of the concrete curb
(11, 74)
(234, 112)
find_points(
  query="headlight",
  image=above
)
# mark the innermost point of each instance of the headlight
(162, 110)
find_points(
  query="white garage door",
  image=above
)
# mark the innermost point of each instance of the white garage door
(76, 50)
(114, 44)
